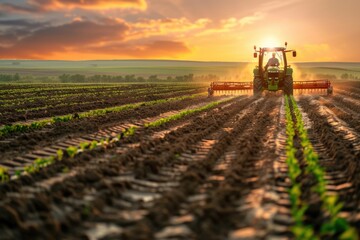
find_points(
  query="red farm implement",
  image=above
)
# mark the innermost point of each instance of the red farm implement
(239, 87)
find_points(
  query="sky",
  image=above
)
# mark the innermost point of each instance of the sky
(201, 30)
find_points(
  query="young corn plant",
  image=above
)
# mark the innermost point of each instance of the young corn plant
(181, 114)
(335, 226)
(298, 207)
(4, 174)
(60, 154)
(72, 151)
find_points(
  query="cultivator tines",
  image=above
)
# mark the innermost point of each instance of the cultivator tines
(313, 85)
(231, 87)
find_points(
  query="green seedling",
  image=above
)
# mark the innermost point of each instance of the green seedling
(84, 145)
(60, 154)
(4, 174)
(71, 151)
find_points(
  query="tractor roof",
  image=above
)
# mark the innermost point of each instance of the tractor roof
(272, 49)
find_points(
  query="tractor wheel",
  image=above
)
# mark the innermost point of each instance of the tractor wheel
(257, 86)
(330, 90)
(288, 85)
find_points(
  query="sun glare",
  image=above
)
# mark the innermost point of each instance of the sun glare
(270, 42)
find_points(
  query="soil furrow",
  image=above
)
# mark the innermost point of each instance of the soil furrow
(65, 130)
(339, 156)
(226, 195)
(196, 175)
(16, 162)
(83, 183)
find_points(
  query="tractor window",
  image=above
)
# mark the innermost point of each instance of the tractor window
(278, 55)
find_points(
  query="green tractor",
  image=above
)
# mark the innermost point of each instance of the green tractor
(276, 74)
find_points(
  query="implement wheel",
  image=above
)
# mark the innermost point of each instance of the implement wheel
(330, 90)
(257, 86)
(288, 85)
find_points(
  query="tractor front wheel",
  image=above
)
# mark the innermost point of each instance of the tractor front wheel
(257, 86)
(288, 85)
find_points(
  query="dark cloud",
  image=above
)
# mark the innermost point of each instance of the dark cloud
(9, 7)
(37, 6)
(22, 23)
(105, 38)
(68, 37)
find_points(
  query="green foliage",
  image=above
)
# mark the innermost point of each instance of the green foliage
(60, 154)
(93, 145)
(298, 208)
(181, 114)
(304, 232)
(336, 225)
(84, 145)
(4, 174)
(38, 164)
(59, 119)
(71, 151)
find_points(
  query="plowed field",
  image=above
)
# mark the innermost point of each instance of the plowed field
(167, 162)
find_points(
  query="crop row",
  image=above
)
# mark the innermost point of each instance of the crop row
(60, 87)
(72, 151)
(17, 94)
(85, 100)
(52, 89)
(334, 225)
(7, 101)
(20, 128)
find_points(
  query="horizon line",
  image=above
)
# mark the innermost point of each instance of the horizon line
(163, 60)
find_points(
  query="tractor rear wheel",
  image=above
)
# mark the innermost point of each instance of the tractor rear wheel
(288, 85)
(257, 86)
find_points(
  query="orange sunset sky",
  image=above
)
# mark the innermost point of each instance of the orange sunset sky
(205, 30)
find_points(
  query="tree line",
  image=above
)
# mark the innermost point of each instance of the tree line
(9, 77)
(79, 78)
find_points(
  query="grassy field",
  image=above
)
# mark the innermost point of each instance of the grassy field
(164, 68)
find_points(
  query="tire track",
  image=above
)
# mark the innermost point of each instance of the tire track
(236, 174)
(200, 175)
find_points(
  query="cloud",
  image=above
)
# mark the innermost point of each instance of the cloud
(36, 6)
(90, 4)
(22, 23)
(9, 7)
(108, 37)
(232, 24)
(152, 49)
(63, 38)
(166, 26)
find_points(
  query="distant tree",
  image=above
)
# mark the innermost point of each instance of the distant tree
(345, 76)
(16, 77)
(153, 78)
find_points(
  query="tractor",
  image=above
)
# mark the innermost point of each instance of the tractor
(273, 76)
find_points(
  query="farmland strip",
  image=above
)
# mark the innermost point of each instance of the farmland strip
(229, 176)
(333, 224)
(339, 152)
(111, 137)
(106, 169)
(20, 128)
